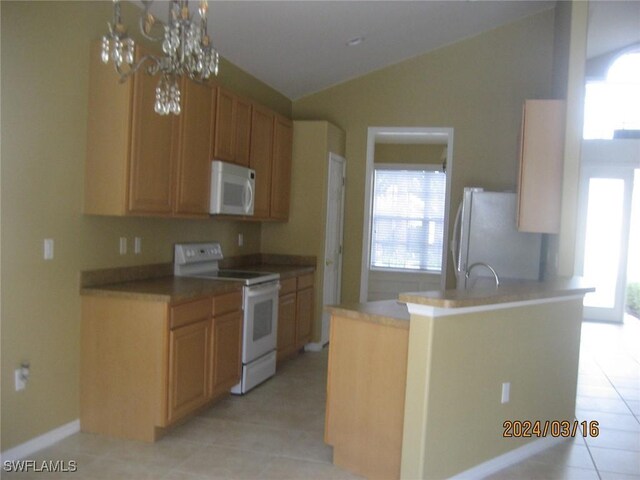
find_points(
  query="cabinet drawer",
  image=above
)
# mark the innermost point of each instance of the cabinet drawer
(229, 302)
(287, 286)
(190, 312)
(305, 281)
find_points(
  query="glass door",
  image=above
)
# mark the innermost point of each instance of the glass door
(603, 234)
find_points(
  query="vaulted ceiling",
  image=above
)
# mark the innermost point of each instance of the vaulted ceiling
(300, 47)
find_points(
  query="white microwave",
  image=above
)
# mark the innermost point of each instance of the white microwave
(232, 189)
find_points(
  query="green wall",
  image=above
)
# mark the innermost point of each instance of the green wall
(304, 233)
(45, 53)
(408, 153)
(476, 86)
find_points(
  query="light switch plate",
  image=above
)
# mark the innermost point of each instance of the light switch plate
(123, 245)
(137, 245)
(506, 387)
(48, 248)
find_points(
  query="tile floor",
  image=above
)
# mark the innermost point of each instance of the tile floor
(276, 431)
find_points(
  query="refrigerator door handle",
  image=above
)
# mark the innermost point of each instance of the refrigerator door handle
(455, 241)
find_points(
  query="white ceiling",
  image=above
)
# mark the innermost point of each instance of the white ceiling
(612, 25)
(300, 47)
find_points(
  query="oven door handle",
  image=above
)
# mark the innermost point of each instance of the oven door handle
(257, 290)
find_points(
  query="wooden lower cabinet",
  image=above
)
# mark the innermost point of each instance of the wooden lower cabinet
(286, 326)
(189, 360)
(295, 315)
(304, 316)
(366, 382)
(146, 365)
(227, 352)
(304, 309)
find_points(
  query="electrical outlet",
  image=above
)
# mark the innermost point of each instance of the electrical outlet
(240, 239)
(506, 387)
(48, 248)
(123, 245)
(137, 245)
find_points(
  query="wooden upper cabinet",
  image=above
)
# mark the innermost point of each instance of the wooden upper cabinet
(129, 147)
(139, 162)
(232, 128)
(281, 168)
(151, 163)
(193, 164)
(243, 131)
(541, 165)
(262, 128)
(223, 144)
(142, 163)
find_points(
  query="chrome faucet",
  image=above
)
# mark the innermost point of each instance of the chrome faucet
(481, 264)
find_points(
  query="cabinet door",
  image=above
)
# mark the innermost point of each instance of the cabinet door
(304, 316)
(151, 165)
(242, 132)
(193, 163)
(189, 361)
(227, 351)
(281, 169)
(260, 158)
(541, 163)
(224, 141)
(286, 325)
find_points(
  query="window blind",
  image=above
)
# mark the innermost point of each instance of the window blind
(408, 219)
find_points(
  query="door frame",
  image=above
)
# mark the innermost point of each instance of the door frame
(333, 157)
(372, 134)
(324, 339)
(607, 159)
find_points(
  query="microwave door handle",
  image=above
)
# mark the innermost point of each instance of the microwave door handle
(248, 196)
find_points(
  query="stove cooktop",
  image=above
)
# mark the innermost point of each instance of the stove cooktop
(201, 260)
(248, 278)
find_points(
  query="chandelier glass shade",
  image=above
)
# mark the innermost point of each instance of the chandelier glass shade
(186, 46)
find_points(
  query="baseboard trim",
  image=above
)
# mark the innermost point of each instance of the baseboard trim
(508, 459)
(38, 443)
(314, 347)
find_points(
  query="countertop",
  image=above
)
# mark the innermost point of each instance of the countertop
(385, 312)
(514, 292)
(164, 289)
(153, 283)
(394, 312)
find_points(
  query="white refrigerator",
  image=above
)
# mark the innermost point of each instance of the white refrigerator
(485, 231)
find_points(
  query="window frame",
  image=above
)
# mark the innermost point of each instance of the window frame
(434, 167)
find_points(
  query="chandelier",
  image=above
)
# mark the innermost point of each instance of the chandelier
(185, 43)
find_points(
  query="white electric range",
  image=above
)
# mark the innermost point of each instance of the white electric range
(259, 302)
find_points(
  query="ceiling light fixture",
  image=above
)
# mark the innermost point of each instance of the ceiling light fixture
(185, 43)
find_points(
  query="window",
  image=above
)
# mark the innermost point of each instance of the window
(614, 104)
(408, 218)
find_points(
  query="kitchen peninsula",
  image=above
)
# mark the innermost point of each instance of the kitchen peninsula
(418, 390)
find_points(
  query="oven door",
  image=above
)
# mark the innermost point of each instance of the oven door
(260, 320)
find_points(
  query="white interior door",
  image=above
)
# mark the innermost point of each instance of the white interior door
(605, 200)
(333, 238)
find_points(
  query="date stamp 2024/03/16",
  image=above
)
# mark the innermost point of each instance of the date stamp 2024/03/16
(553, 428)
